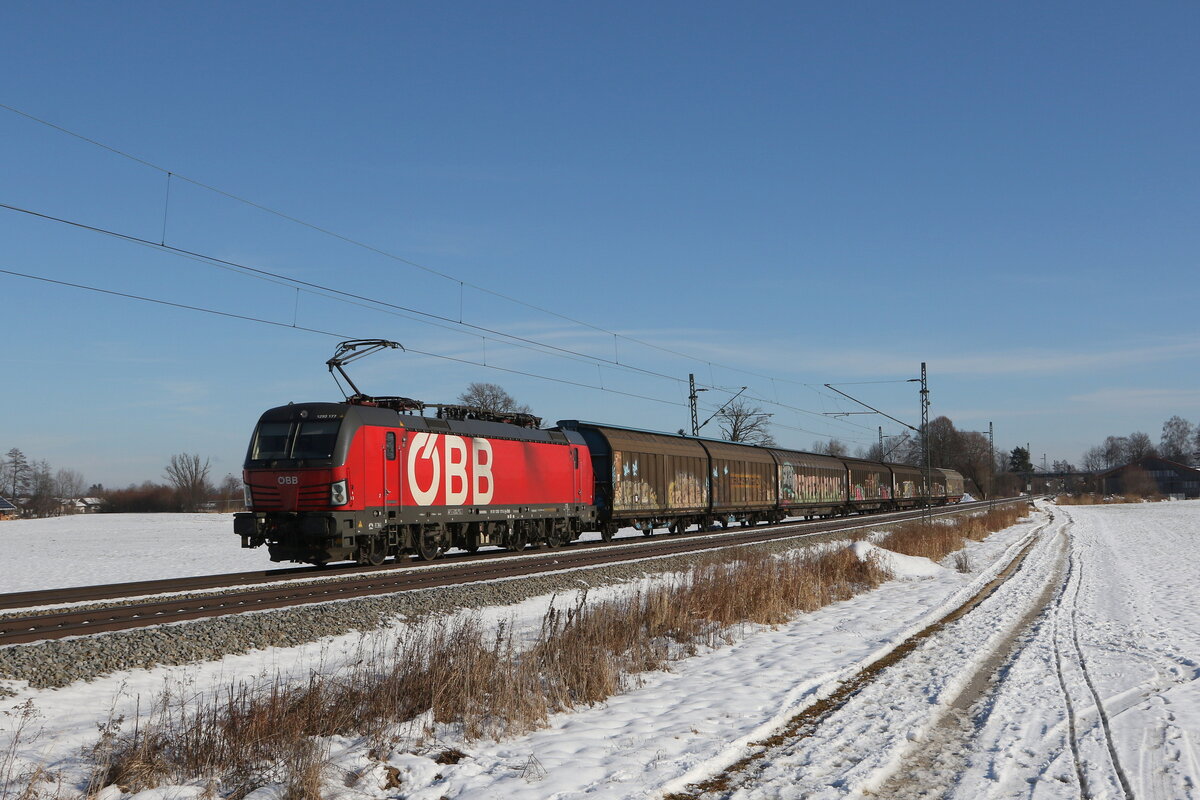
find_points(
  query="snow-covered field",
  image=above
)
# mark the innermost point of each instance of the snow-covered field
(1081, 667)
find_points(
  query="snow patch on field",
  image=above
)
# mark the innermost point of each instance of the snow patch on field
(900, 565)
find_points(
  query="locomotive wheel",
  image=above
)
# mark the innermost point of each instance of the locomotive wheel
(429, 545)
(556, 536)
(373, 553)
(517, 538)
(471, 540)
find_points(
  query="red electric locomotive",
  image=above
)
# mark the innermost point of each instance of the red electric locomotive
(367, 479)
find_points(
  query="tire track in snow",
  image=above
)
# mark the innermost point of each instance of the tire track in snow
(1101, 713)
(940, 756)
(1072, 716)
(807, 721)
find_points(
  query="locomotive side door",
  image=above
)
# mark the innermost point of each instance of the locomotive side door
(391, 471)
(576, 483)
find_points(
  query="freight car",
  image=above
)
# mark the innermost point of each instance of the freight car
(649, 480)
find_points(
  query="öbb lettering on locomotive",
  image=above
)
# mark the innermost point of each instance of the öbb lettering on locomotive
(370, 478)
(449, 470)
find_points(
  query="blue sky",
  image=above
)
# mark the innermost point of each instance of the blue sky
(777, 195)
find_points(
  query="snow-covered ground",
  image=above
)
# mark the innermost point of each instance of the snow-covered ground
(1080, 667)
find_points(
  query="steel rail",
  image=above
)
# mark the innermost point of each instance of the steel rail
(103, 619)
(116, 591)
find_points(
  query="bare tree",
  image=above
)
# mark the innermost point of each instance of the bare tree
(230, 492)
(42, 501)
(491, 397)
(974, 460)
(944, 443)
(1116, 451)
(16, 476)
(68, 484)
(190, 478)
(1139, 446)
(833, 447)
(741, 422)
(1095, 459)
(1176, 441)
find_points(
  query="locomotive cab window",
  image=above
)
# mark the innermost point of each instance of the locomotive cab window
(271, 440)
(316, 439)
(307, 440)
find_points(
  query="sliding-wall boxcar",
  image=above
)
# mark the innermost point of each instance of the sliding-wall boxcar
(908, 486)
(869, 485)
(810, 485)
(645, 479)
(947, 486)
(744, 482)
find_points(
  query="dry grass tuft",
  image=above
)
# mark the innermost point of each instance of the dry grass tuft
(936, 539)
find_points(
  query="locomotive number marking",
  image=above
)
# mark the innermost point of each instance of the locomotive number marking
(468, 481)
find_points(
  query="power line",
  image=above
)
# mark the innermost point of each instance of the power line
(436, 320)
(342, 336)
(393, 256)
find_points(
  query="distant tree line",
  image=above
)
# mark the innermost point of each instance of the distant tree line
(38, 490)
(35, 487)
(1179, 442)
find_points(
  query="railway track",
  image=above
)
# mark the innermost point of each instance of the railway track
(290, 587)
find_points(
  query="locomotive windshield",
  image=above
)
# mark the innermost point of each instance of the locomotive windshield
(295, 440)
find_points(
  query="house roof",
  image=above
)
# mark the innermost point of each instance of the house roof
(6, 506)
(1157, 462)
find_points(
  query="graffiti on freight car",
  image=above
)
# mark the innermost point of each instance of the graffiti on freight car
(686, 491)
(630, 491)
(869, 487)
(819, 486)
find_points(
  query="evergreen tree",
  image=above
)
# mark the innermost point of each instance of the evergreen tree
(1018, 460)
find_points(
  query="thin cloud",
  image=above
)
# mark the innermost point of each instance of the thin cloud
(1139, 399)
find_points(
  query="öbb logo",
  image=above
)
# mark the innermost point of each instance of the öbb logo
(468, 479)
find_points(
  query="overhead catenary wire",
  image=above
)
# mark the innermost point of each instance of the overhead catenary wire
(387, 254)
(426, 317)
(343, 336)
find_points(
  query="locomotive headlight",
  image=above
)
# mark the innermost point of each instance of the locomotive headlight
(337, 494)
(246, 496)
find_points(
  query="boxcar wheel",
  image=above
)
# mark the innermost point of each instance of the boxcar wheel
(607, 531)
